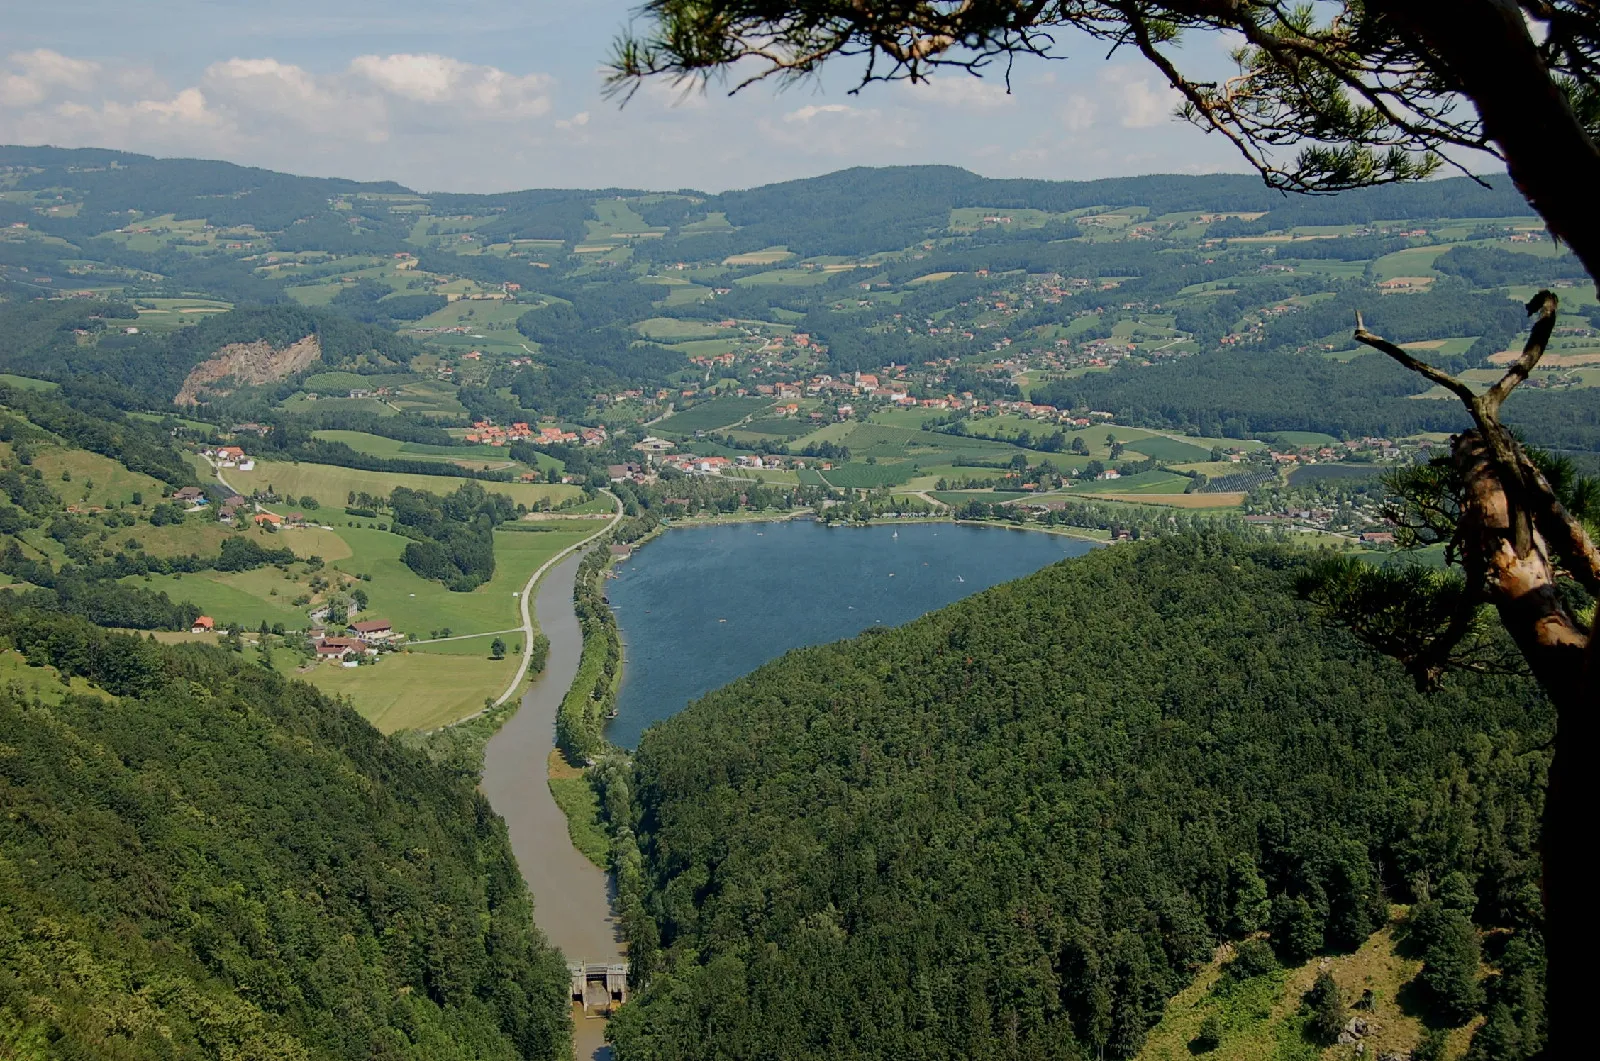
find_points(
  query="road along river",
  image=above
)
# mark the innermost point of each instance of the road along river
(571, 896)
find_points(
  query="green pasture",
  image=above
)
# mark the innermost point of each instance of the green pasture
(669, 329)
(859, 476)
(785, 278)
(1169, 449)
(1414, 261)
(1138, 483)
(232, 597)
(910, 419)
(301, 403)
(332, 485)
(416, 690)
(95, 480)
(961, 497)
(28, 382)
(711, 415)
(379, 446)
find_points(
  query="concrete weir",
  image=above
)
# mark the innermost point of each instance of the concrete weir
(572, 896)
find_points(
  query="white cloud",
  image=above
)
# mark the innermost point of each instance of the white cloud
(440, 80)
(457, 121)
(1077, 113)
(865, 135)
(964, 92)
(42, 74)
(1141, 103)
(260, 107)
(810, 111)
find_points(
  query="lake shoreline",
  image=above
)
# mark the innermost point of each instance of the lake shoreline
(745, 575)
(801, 515)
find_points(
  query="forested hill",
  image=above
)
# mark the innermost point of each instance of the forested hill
(1014, 827)
(863, 209)
(199, 859)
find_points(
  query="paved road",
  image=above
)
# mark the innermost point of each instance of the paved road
(572, 897)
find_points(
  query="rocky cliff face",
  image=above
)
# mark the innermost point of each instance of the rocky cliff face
(246, 364)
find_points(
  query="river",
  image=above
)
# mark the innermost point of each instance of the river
(571, 896)
(701, 606)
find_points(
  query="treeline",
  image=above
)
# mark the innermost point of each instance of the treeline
(858, 211)
(164, 898)
(1018, 825)
(1116, 520)
(1243, 392)
(87, 340)
(452, 536)
(237, 553)
(401, 428)
(87, 422)
(291, 441)
(581, 718)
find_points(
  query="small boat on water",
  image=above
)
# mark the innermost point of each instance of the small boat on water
(960, 579)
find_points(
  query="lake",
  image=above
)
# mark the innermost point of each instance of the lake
(701, 606)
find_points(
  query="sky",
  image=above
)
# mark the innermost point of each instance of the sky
(479, 96)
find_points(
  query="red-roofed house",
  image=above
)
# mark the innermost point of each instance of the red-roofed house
(373, 630)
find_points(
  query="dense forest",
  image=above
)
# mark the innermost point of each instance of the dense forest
(1014, 827)
(452, 536)
(207, 861)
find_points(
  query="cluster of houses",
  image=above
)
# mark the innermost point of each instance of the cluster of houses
(491, 434)
(365, 639)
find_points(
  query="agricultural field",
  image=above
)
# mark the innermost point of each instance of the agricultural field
(1139, 483)
(713, 415)
(671, 329)
(332, 485)
(474, 456)
(417, 690)
(433, 683)
(1169, 449)
(860, 476)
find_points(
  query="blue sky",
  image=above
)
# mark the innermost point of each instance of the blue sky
(468, 95)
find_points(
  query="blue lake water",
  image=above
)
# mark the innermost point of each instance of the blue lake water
(701, 606)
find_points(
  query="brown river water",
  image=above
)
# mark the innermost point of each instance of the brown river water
(571, 896)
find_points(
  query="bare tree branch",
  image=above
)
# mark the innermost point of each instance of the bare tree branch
(1422, 368)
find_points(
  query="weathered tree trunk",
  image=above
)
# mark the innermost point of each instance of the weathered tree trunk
(1524, 589)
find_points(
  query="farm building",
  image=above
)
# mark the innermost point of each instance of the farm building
(340, 647)
(373, 631)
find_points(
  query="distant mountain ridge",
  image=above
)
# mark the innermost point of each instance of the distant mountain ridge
(841, 212)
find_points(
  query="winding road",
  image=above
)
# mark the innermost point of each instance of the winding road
(572, 896)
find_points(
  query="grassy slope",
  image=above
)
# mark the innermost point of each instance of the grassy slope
(331, 485)
(1262, 1018)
